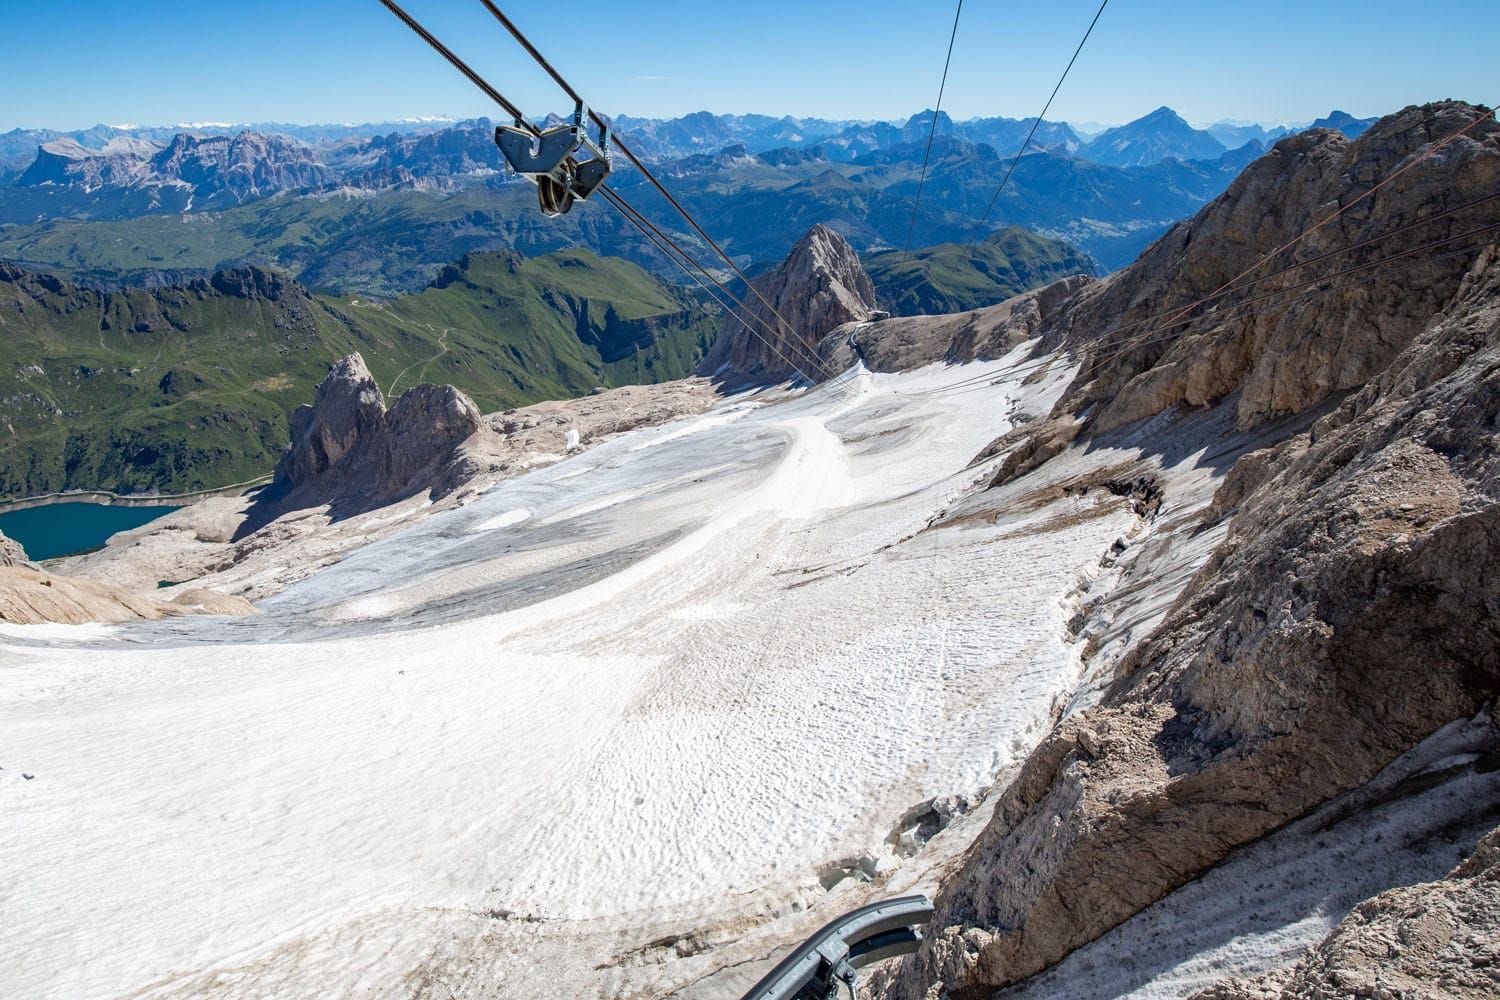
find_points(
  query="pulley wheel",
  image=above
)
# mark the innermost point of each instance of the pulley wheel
(555, 198)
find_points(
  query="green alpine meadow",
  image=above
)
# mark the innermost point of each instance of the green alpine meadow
(189, 387)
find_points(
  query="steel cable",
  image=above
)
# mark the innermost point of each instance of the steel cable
(1037, 124)
(618, 201)
(541, 60)
(1173, 315)
(932, 131)
(1092, 361)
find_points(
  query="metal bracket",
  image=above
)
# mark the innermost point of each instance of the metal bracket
(530, 155)
(550, 160)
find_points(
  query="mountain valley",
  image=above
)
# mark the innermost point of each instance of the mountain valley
(1142, 619)
(744, 556)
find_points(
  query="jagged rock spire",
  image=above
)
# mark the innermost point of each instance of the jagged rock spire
(819, 286)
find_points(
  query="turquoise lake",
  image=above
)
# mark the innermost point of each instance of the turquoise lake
(64, 529)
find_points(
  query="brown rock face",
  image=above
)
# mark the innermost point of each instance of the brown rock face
(1350, 611)
(348, 446)
(820, 285)
(347, 405)
(1286, 353)
(30, 595)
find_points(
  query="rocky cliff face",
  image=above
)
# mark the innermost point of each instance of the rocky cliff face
(347, 446)
(1350, 609)
(252, 282)
(234, 169)
(197, 172)
(1295, 351)
(905, 342)
(435, 161)
(820, 286)
(65, 162)
(347, 406)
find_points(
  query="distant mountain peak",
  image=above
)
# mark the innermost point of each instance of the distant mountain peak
(1163, 134)
(924, 117)
(1343, 121)
(1162, 117)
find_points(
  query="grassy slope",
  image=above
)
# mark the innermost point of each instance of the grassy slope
(951, 277)
(509, 330)
(187, 388)
(176, 389)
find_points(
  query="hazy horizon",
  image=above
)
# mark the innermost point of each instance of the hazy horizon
(1087, 124)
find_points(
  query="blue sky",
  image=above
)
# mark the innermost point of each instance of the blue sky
(72, 64)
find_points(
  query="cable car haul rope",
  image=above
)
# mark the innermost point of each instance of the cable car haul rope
(549, 158)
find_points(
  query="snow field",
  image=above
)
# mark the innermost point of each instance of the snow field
(720, 658)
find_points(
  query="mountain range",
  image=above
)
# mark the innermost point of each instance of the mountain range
(133, 177)
(18, 145)
(1236, 133)
(107, 206)
(700, 131)
(1169, 626)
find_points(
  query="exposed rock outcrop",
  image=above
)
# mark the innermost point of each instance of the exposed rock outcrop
(432, 161)
(241, 546)
(1351, 609)
(241, 167)
(1293, 352)
(1438, 939)
(64, 162)
(30, 595)
(820, 285)
(348, 446)
(12, 553)
(191, 172)
(904, 342)
(346, 406)
(252, 282)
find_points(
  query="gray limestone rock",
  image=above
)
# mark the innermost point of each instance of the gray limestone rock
(348, 447)
(820, 286)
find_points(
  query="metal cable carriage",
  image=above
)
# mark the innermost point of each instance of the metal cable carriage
(549, 159)
(830, 960)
